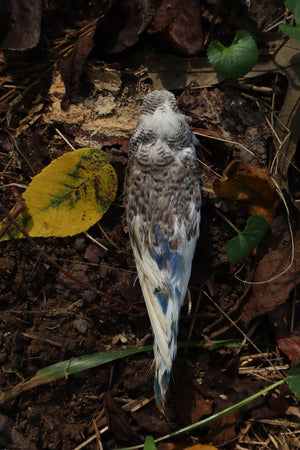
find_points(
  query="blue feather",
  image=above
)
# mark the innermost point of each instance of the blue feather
(161, 385)
(164, 257)
(163, 301)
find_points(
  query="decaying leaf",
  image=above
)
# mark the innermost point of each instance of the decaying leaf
(251, 187)
(23, 22)
(68, 196)
(181, 23)
(290, 346)
(72, 66)
(121, 25)
(267, 296)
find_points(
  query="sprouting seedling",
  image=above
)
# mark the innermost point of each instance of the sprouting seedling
(247, 240)
(236, 60)
(291, 30)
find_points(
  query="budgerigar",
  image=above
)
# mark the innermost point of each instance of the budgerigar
(163, 201)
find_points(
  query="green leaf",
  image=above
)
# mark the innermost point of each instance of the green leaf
(293, 379)
(290, 31)
(297, 13)
(242, 245)
(149, 443)
(69, 196)
(237, 59)
(291, 5)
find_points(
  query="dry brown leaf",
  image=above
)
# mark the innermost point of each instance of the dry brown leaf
(267, 296)
(250, 186)
(72, 66)
(290, 346)
(121, 25)
(181, 22)
(22, 22)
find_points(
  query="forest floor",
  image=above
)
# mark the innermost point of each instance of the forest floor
(70, 90)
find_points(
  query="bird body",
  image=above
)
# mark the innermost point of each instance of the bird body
(163, 200)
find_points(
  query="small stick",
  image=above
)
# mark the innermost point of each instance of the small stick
(19, 207)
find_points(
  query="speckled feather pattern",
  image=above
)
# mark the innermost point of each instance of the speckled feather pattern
(163, 200)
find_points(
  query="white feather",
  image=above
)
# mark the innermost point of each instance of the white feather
(164, 122)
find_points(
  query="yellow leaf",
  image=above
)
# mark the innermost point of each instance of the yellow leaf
(68, 196)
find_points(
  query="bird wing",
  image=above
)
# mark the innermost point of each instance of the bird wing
(163, 242)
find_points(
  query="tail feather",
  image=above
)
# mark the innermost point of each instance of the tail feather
(161, 380)
(165, 328)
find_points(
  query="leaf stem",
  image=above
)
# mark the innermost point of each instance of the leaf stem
(229, 222)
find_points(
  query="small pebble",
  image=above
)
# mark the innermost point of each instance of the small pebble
(81, 325)
(80, 244)
(89, 296)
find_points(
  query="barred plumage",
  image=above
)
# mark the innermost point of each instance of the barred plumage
(163, 200)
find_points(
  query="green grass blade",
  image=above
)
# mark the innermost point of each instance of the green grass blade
(75, 365)
(220, 414)
(70, 367)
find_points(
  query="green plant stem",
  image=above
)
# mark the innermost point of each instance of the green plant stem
(214, 417)
(220, 414)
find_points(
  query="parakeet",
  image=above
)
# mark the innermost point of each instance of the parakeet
(163, 203)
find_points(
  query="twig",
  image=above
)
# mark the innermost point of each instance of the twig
(65, 139)
(97, 433)
(228, 221)
(19, 207)
(95, 241)
(108, 238)
(47, 341)
(20, 152)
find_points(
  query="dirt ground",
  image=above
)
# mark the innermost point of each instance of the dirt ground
(69, 88)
